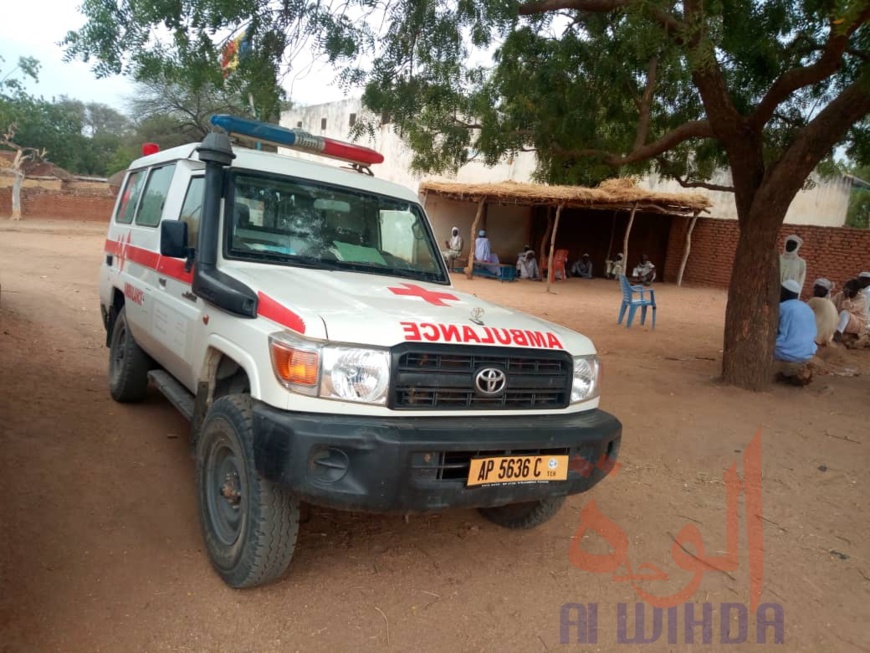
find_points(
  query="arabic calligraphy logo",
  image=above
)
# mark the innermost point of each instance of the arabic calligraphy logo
(692, 558)
(477, 315)
(490, 381)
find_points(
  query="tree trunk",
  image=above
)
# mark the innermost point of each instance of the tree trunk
(16, 195)
(752, 314)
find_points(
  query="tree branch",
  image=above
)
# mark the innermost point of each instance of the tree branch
(707, 76)
(666, 20)
(645, 106)
(812, 144)
(703, 184)
(798, 78)
(545, 6)
(685, 132)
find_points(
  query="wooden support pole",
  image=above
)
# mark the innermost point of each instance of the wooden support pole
(550, 271)
(687, 249)
(625, 241)
(542, 253)
(469, 269)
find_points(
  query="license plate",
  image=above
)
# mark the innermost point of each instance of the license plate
(517, 469)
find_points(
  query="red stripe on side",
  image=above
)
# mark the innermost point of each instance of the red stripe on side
(272, 310)
(171, 267)
(112, 247)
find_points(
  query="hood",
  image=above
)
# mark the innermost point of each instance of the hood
(385, 311)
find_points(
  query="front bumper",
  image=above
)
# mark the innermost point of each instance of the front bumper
(419, 464)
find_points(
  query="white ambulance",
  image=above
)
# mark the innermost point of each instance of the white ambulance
(300, 315)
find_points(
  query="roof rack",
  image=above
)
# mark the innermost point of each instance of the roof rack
(359, 157)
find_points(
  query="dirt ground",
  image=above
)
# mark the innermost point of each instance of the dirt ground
(100, 548)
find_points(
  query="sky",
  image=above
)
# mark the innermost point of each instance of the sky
(32, 28)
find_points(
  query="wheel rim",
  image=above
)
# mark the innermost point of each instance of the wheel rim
(118, 351)
(225, 492)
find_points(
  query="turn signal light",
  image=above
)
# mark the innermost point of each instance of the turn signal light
(295, 366)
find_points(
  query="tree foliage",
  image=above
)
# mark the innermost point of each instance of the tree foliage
(180, 43)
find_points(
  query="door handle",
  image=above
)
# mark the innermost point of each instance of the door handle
(162, 282)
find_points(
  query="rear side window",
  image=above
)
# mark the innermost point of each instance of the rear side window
(151, 207)
(192, 208)
(130, 197)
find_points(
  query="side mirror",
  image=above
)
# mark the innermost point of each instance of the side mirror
(173, 239)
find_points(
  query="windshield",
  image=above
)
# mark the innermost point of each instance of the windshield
(299, 222)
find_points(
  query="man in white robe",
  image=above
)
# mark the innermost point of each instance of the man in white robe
(792, 266)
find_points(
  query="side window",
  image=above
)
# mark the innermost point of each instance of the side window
(192, 208)
(130, 197)
(151, 207)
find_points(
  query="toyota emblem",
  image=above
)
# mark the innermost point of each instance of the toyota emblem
(490, 381)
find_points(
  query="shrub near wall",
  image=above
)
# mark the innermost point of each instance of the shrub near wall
(838, 253)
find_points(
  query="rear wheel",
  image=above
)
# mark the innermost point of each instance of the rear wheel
(248, 523)
(128, 364)
(524, 515)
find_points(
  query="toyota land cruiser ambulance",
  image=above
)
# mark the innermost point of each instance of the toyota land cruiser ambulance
(301, 317)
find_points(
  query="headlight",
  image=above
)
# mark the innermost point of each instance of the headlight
(332, 372)
(355, 374)
(585, 378)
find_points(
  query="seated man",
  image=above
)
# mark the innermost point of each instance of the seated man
(824, 310)
(615, 268)
(851, 303)
(527, 264)
(795, 338)
(454, 247)
(483, 252)
(582, 268)
(645, 272)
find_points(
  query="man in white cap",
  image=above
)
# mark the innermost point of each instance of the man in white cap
(795, 338)
(792, 266)
(483, 252)
(454, 247)
(824, 310)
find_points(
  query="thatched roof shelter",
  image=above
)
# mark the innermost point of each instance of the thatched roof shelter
(613, 194)
(622, 194)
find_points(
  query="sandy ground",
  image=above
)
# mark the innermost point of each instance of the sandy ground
(100, 548)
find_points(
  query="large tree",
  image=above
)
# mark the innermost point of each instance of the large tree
(595, 87)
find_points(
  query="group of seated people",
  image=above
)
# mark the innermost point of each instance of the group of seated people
(527, 264)
(824, 319)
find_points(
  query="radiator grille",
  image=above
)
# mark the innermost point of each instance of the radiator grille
(443, 378)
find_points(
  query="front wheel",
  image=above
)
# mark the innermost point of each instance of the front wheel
(248, 523)
(128, 364)
(524, 515)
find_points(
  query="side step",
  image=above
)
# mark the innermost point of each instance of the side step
(177, 394)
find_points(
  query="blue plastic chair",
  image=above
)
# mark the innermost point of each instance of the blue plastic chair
(632, 304)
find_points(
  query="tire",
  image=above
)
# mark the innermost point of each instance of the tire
(128, 364)
(524, 515)
(249, 524)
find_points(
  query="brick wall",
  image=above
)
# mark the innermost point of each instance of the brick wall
(838, 253)
(60, 205)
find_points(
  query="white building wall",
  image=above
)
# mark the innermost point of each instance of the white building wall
(823, 205)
